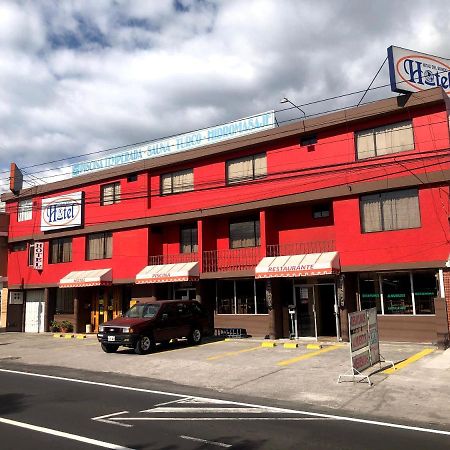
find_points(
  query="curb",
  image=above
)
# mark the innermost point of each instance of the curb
(268, 344)
(69, 336)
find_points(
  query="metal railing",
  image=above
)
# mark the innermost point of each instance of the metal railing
(172, 259)
(231, 259)
(300, 248)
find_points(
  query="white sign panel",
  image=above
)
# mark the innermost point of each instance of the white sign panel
(180, 143)
(61, 212)
(15, 298)
(38, 255)
(412, 71)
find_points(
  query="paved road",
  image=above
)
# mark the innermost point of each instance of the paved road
(46, 412)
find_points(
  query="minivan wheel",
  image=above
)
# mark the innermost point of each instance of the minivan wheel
(109, 348)
(143, 345)
(196, 336)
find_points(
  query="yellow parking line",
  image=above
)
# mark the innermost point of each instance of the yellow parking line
(224, 355)
(286, 362)
(410, 360)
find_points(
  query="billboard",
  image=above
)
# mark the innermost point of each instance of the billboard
(180, 143)
(411, 71)
(61, 212)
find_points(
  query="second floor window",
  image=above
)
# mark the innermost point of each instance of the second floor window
(244, 234)
(110, 194)
(188, 239)
(99, 246)
(175, 182)
(31, 254)
(393, 138)
(25, 210)
(60, 250)
(386, 211)
(247, 168)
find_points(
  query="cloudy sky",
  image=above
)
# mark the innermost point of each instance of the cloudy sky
(83, 76)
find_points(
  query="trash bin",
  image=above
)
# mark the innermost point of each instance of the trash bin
(88, 328)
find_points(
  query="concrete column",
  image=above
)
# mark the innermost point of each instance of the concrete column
(442, 333)
(200, 244)
(46, 308)
(76, 311)
(263, 231)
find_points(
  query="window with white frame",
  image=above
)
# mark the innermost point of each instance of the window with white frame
(246, 168)
(25, 210)
(387, 211)
(241, 297)
(176, 182)
(406, 293)
(393, 138)
(110, 194)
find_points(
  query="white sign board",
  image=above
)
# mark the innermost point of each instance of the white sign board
(61, 212)
(180, 143)
(412, 71)
(38, 255)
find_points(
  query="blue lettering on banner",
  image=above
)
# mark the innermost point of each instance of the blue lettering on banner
(179, 143)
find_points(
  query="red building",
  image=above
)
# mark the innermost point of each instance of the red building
(324, 216)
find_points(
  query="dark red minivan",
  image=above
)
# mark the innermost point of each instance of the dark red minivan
(147, 323)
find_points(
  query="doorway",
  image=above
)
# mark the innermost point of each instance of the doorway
(34, 311)
(315, 311)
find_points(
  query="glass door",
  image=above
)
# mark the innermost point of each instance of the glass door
(306, 324)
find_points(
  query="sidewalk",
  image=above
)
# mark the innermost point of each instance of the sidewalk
(418, 391)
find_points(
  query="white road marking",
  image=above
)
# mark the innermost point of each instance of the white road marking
(210, 410)
(281, 410)
(204, 441)
(104, 419)
(73, 437)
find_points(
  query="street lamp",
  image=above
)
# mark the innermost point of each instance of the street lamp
(286, 100)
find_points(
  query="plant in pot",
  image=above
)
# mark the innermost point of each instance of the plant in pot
(66, 326)
(55, 326)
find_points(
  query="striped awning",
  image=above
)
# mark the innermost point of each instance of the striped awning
(165, 273)
(84, 278)
(309, 264)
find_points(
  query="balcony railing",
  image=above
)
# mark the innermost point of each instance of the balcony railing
(300, 248)
(232, 259)
(172, 259)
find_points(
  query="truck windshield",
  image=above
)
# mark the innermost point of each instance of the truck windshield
(142, 311)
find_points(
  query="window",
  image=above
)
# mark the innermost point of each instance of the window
(31, 254)
(131, 178)
(244, 234)
(188, 239)
(394, 138)
(64, 301)
(99, 246)
(388, 211)
(320, 211)
(110, 194)
(60, 250)
(175, 182)
(18, 247)
(247, 168)
(308, 140)
(25, 210)
(241, 297)
(405, 293)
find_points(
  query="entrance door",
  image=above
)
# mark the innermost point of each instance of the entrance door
(305, 311)
(34, 311)
(326, 310)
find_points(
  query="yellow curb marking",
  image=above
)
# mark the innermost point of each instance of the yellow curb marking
(308, 355)
(268, 344)
(314, 346)
(224, 355)
(290, 345)
(408, 361)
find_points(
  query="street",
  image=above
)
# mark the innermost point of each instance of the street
(39, 410)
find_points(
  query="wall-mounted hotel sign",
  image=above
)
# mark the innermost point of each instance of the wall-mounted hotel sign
(180, 143)
(62, 212)
(412, 71)
(38, 259)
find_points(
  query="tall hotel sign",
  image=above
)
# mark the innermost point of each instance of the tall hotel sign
(411, 71)
(180, 143)
(62, 212)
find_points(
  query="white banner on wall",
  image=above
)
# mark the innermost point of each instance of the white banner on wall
(38, 263)
(64, 211)
(412, 71)
(180, 143)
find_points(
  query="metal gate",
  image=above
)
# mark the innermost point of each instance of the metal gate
(34, 311)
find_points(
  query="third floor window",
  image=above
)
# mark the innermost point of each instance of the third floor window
(393, 138)
(247, 168)
(175, 182)
(25, 210)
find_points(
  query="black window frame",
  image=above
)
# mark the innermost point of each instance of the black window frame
(257, 236)
(104, 235)
(243, 179)
(171, 175)
(60, 251)
(193, 235)
(321, 210)
(116, 195)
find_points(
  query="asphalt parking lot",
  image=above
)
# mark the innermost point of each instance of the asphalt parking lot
(419, 386)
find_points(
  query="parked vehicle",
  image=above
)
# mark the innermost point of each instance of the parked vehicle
(147, 323)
